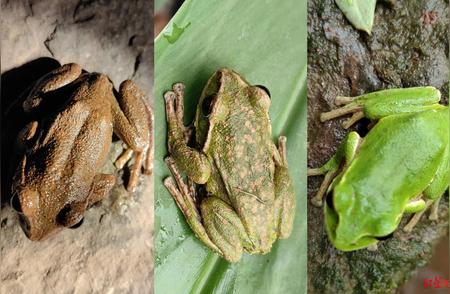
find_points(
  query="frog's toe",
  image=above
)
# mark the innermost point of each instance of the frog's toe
(178, 88)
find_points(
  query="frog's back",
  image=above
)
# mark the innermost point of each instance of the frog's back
(71, 146)
(241, 153)
(396, 162)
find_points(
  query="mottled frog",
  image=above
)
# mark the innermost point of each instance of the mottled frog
(248, 200)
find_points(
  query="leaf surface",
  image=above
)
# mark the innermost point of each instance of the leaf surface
(265, 41)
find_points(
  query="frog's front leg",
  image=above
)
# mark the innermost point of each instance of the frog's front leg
(344, 154)
(383, 103)
(214, 222)
(284, 192)
(133, 123)
(191, 161)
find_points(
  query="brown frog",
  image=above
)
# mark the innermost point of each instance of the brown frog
(58, 176)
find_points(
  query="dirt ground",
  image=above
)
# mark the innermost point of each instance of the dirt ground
(112, 252)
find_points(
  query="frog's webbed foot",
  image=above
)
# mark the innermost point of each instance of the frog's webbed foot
(174, 112)
(133, 123)
(53, 80)
(284, 192)
(175, 109)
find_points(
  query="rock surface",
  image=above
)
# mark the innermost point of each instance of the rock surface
(408, 47)
(112, 252)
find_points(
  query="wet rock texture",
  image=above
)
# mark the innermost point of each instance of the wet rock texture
(408, 47)
(112, 252)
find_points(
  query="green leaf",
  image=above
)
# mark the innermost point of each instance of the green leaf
(265, 41)
(360, 13)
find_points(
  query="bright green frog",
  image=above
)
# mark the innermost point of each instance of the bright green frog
(401, 166)
(249, 200)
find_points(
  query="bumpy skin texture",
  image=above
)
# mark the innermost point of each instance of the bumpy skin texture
(405, 155)
(63, 151)
(250, 200)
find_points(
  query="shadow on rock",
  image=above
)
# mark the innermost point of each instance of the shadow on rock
(16, 85)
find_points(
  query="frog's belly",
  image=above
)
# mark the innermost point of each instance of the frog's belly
(393, 165)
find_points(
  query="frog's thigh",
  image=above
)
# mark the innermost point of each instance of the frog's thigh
(440, 182)
(53, 80)
(133, 124)
(132, 118)
(284, 202)
(415, 206)
(224, 228)
(101, 186)
(438, 186)
(284, 194)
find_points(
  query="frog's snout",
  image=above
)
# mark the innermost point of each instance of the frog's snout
(29, 229)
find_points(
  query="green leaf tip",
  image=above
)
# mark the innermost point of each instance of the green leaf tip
(176, 33)
(360, 13)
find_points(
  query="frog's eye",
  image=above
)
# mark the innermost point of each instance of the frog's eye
(207, 105)
(385, 237)
(69, 217)
(264, 89)
(15, 204)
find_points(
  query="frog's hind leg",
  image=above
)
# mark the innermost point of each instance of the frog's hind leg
(53, 80)
(383, 103)
(433, 192)
(350, 107)
(225, 228)
(284, 192)
(184, 196)
(416, 217)
(344, 155)
(439, 184)
(133, 123)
